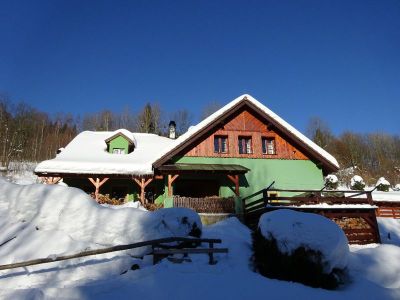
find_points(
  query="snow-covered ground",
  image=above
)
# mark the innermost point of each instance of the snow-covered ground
(21, 173)
(60, 220)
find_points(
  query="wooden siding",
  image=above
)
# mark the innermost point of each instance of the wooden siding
(245, 124)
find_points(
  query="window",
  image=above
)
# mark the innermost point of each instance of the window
(220, 144)
(268, 145)
(118, 151)
(245, 145)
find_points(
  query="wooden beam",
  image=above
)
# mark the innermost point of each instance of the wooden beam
(142, 183)
(171, 179)
(97, 184)
(235, 180)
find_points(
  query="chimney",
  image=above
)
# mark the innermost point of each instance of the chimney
(172, 130)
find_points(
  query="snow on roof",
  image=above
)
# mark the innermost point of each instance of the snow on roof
(195, 129)
(87, 154)
(124, 132)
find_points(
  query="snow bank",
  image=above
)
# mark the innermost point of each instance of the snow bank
(35, 214)
(389, 230)
(293, 229)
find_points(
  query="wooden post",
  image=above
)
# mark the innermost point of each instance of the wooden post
(235, 180)
(171, 179)
(97, 184)
(142, 182)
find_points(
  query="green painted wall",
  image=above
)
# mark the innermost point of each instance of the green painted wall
(120, 143)
(287, 174)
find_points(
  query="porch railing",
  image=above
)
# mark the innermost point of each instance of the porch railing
(206, 204)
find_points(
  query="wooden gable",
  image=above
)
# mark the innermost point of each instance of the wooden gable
(244, 123)
(247, 118)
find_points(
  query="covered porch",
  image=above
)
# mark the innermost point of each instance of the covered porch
(203, 187)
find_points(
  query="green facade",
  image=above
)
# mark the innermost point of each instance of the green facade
(287, 174)
(118, 143)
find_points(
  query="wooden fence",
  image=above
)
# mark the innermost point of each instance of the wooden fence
(155, 244)
(353, 211)
(388, 209)
(207, 204)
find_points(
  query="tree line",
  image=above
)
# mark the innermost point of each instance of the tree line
(370, 155)
(27, 134)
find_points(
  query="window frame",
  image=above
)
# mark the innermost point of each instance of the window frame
(121, 151)
(244, 145)
(220, 138)
(264, 144)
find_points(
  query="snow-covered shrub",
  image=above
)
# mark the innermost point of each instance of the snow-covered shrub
(331, 182)
(357, 183)
(301, 247)
(382, 185)
(397, 187)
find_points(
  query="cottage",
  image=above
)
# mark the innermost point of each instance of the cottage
(238, 150)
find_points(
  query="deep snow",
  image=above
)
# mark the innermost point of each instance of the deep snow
(373, 269)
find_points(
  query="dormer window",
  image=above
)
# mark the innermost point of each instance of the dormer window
(120, 143)
(118, 151)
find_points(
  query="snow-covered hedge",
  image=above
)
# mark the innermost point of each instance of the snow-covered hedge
(302, 247)
(397, 187)
(357, 183)
(382, 185)
(331, 182)
(70, 213)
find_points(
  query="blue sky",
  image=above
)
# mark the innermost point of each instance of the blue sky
(339, 60)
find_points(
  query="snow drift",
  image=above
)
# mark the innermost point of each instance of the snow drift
(76, 222)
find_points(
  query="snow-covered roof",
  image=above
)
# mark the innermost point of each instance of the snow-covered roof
(87, 154)
(193, 130)
(124, 133)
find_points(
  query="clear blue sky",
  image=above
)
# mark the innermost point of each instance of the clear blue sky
(339, 60)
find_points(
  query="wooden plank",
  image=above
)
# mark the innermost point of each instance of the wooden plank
(190, 251)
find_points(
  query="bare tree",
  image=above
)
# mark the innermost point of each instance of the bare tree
(210, 108)
(183, 119)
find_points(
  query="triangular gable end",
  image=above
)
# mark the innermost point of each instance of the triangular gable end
(246, 102)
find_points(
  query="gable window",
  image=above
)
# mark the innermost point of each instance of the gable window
(118, 151)
(220, 144)
(268, 145)
(245, 146)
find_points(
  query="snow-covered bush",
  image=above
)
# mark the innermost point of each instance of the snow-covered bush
(357, 183)
(331, 182)
(397, 187)
(382, 185)
(302, 247)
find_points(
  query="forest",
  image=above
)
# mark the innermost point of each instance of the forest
(30, 135)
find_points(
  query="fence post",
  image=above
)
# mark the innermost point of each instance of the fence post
(369, 198)
(211, 260)
(265, 197)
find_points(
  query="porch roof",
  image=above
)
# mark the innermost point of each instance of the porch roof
(207, 168)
